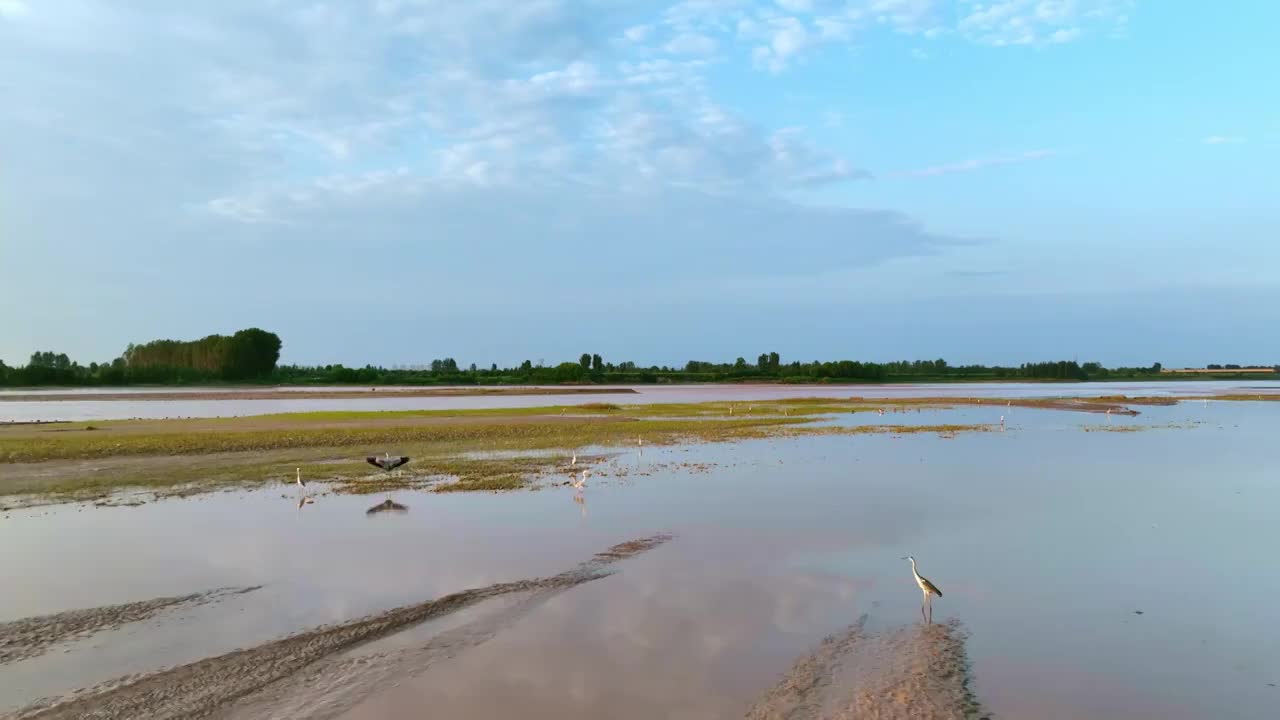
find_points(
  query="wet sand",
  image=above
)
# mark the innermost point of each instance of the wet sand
(334, 394)
(917, 672)
(29, 637)
(208, 687)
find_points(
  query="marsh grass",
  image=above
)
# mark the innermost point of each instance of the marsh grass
(452, 450)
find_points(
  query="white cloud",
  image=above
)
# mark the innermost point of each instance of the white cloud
(1223, 140)
(13, 8)
(795, 6)
(692, 43)
(976, 164)
(1030, 22)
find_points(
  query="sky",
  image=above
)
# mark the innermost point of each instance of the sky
(394, 181)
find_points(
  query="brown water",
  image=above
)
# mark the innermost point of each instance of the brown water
(1046, 540)
(91, 409)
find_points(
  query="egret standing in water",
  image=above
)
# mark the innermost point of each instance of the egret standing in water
(299, 481)
(927, 588)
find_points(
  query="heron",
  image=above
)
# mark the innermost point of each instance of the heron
(927, 588)
(298, 479)
(387, 462)
(574, 460)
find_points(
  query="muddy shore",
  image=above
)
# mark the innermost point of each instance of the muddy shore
(337, 394)
(209, 687)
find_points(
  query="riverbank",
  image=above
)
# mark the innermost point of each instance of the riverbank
(249, 393)
(451, 450)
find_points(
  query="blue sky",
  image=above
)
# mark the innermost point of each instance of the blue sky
(993, 182)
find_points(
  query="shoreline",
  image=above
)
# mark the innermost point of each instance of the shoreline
(334, 394)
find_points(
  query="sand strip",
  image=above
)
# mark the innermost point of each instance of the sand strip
(336, 394)
(202, 688)
(29, 637)
(917, 672)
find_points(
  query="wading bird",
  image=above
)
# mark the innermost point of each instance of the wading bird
(298, 480)
(927, 588)
(387, 462)
(574, 460)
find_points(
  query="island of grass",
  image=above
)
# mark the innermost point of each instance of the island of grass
(452, 450)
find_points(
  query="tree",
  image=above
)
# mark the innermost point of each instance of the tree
(526, 366)
(774, 361)
(597, 363)
(585, 361)
(762, 362)
(1156, 368)
(740, 364)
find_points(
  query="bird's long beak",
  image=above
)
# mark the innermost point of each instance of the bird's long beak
(904, 557)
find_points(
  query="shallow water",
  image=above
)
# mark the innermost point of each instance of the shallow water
(90, 409)
(1045, 539)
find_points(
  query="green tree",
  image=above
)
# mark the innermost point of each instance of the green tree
(597, 363)
(585, 361)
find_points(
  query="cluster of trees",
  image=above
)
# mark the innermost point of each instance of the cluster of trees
(247, 355)
(252, 355)
(592, 368)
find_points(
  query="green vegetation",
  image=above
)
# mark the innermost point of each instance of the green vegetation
(251, 356)
(456, 450)
(245, 356)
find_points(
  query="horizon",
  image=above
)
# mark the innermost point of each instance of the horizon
(655, 182)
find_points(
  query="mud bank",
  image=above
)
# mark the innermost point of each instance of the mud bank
(918, 672)
(336, 394)
(208, 687)
(29, 637)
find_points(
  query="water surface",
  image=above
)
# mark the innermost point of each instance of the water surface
(1047, 540)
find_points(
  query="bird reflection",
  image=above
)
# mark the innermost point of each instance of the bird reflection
(304, 500)
(581, 500)
(387, 505)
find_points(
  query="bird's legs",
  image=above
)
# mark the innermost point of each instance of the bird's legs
(924, 601)
(929, 602)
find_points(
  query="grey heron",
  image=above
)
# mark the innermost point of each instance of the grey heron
(388, 461)
(298, 479)
(927, 588)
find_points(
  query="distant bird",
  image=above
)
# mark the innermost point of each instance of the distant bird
(581, 480)
(387, 462)
(574, 460)
(298, 479)
(304, 500)
(1001, 422)
(927, 588)
(639, 441)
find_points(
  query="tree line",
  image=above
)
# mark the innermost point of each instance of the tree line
(248, 355)
(252, 356)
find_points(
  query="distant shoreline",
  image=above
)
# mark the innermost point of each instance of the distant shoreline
(334, 394)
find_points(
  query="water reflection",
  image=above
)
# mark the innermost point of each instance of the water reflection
(1047, 538)
(89, 409)
(387, 505)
